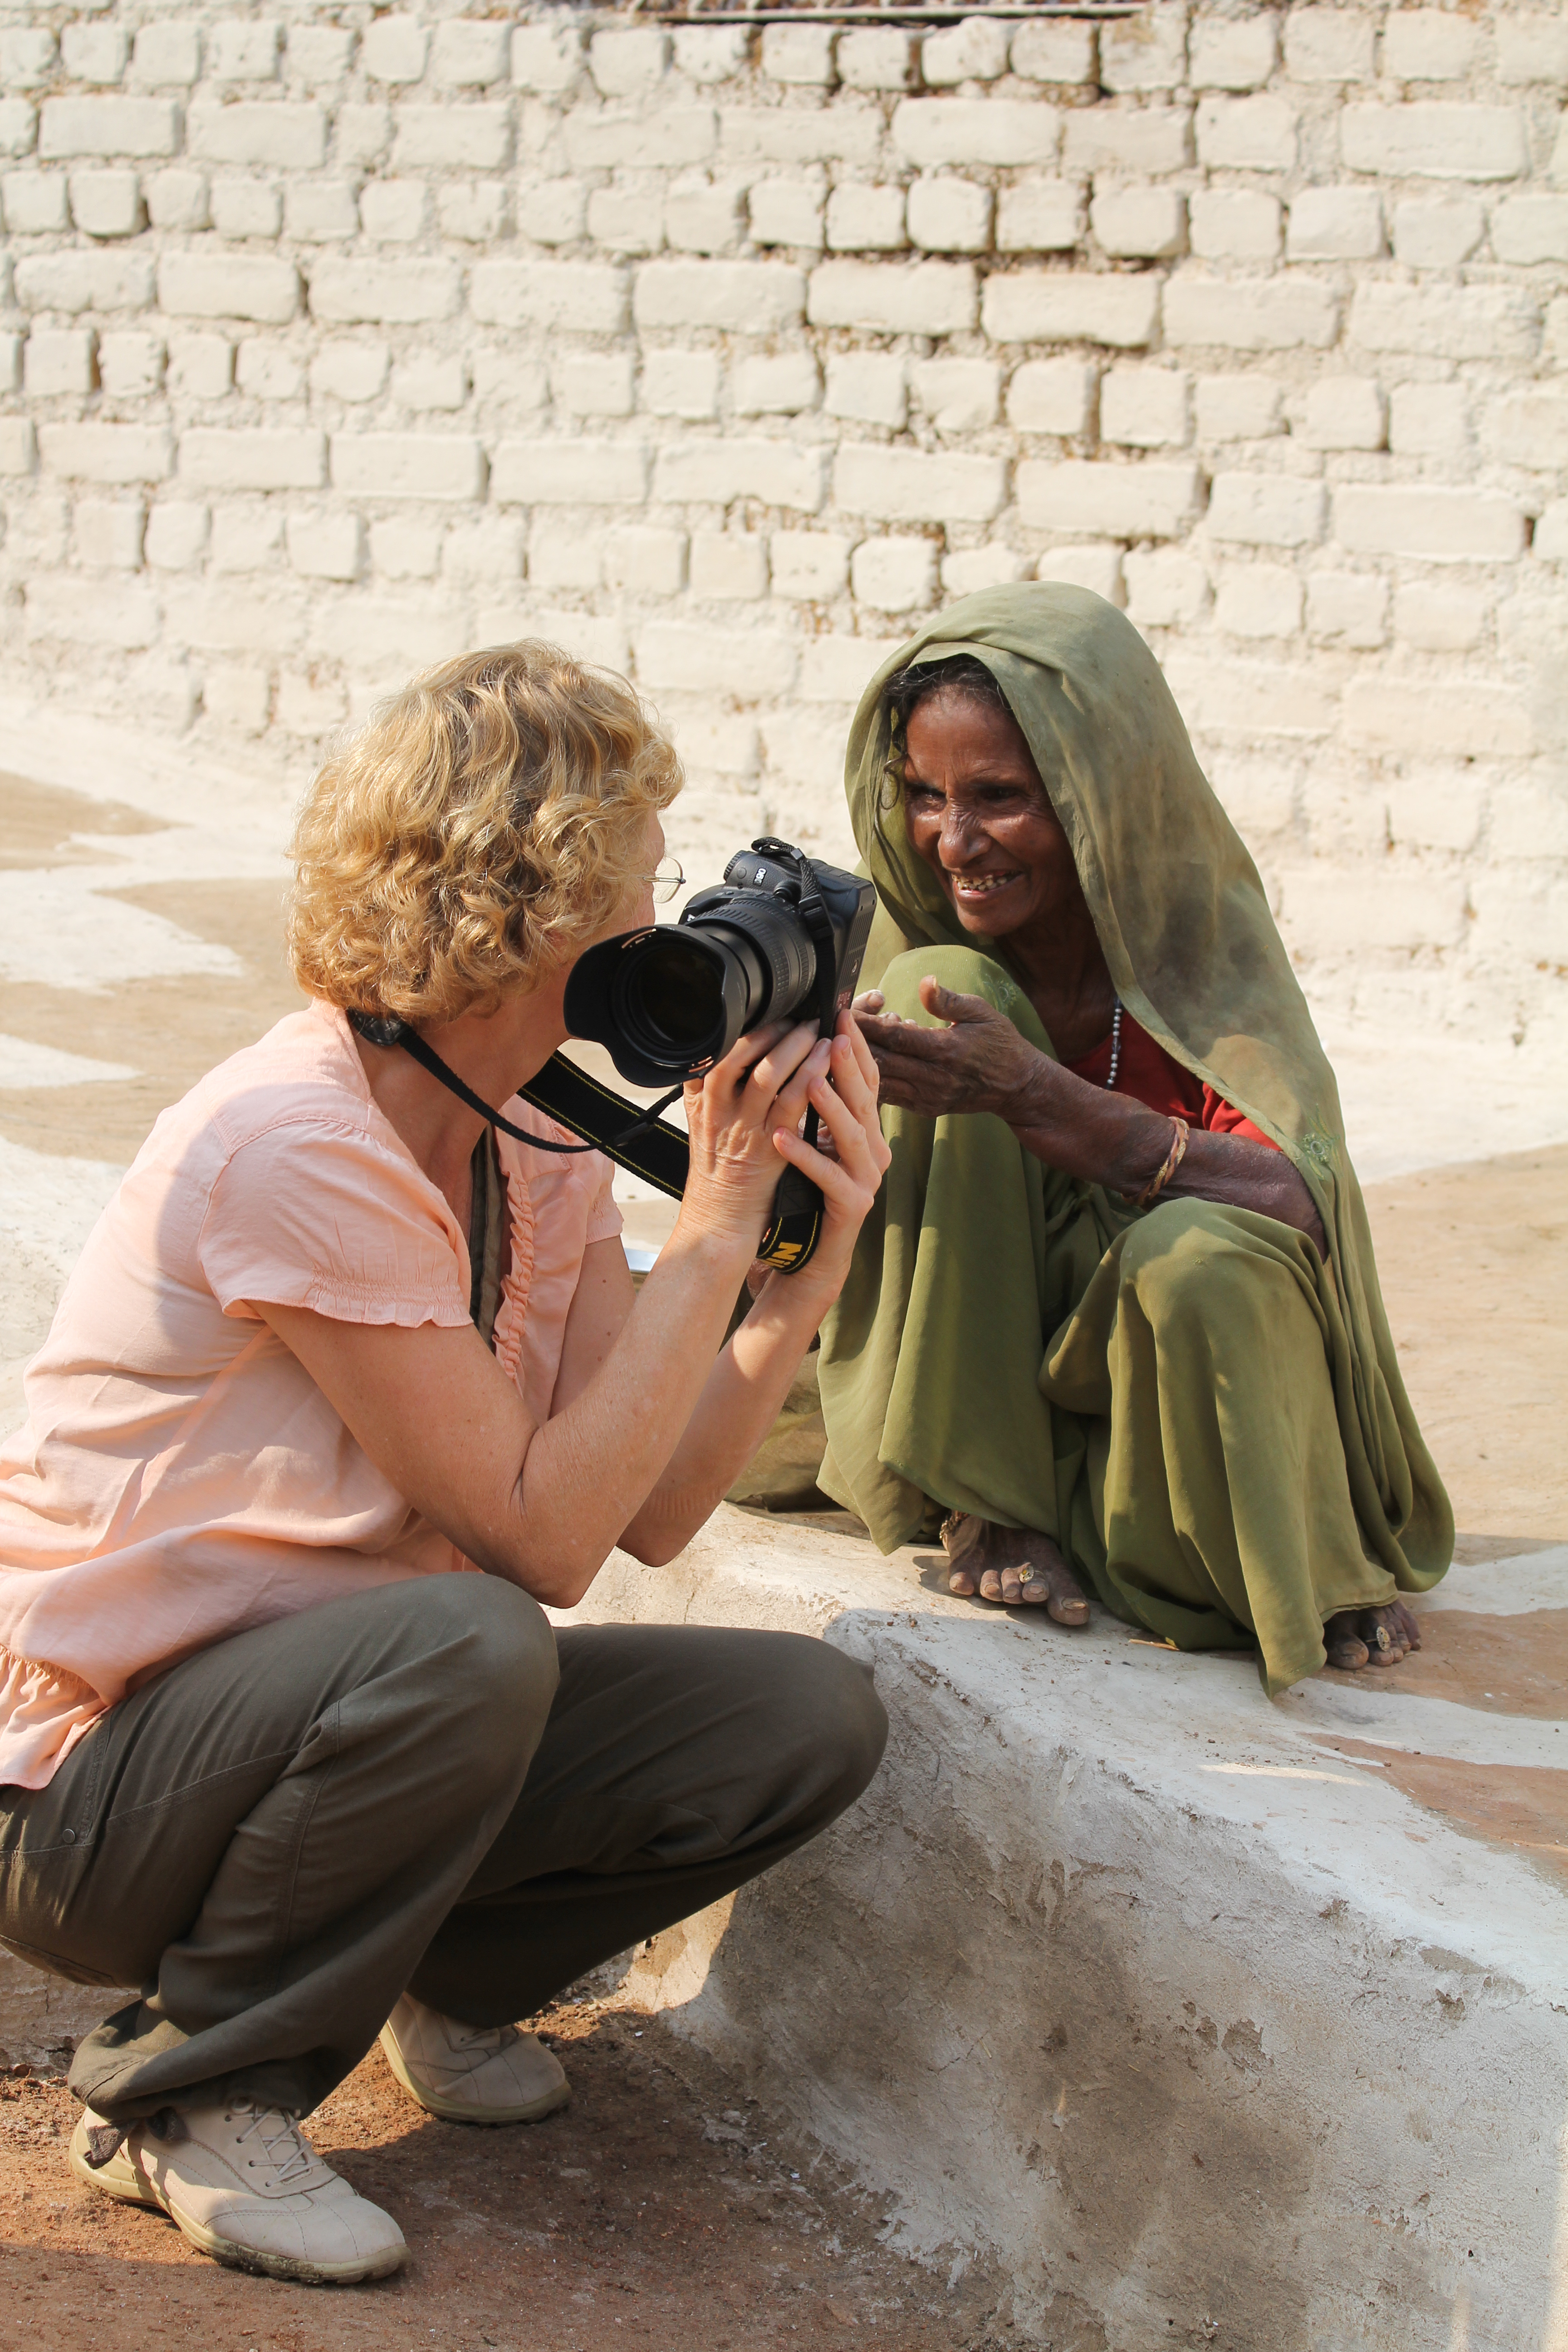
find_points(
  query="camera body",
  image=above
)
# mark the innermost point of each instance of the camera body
(782, 938)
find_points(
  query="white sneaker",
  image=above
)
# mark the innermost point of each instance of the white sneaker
(242, 2183)
(472, 2074)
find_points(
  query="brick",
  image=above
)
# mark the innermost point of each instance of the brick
(1527, 229)
(238, 694)
(246, 539)
(1232, 54)
(1044, 307)
(76, 281)
(1145, 408)
(781, 384)
(915, 486)
(235, 620)
(58, 360)
(626, 220)
(928, 130)
(364, 134)
(1443, 525)
(506, 383)
(703, 216)
(1429, 420)
(1329, 45)
(1529, 427)
(167, 55)
(608, 137)
(1347, 608)
(395, 212)
(869, 386)
(920, 298)
(389, 293)
(446, 465)
(875, 57)
(1057, 51)
(229, 285)
(18, 126)
(130, 365)
(1344, 411)
(394, 49)
(1052, 396)
(307, 704)
(1081, 565)
(343, 371)
(1550, 538)
(693, 657)
(1141, 223)
(1532, 47)
(177, 200)
(244, 52)
(753, 298)
(27, 55)
(433, 380)
(35, 202)
(593, 384)
(326, 546)
(1438, 616)
(682, 383)
(866, 219)
(1427, 45)
(94, 53)
(1141, 501)
(812, 565)
(1457, 323)
(201, 367)
(319, 54)
(1265, 511)
(1254, 315)
(480, 554)
(570, 473)
(384, 637)
(472, 211)
(949, 214)
(1258, 600)
(625, 64)
(894, 574)
(839, 669)
(552, 211)
(1140, 139)
(108, 126)
(546, 58)
(1234, 225)
(246, 208)
(973, 568)
(1231, 698)
(175, 534)
(469, 53)
(787, 212)
(1148, 51)
(709, 53)
(1039, 217)
(292, 136)
(848, 132)
(1438, 232)
(1329, 910)
(106, 453)
(1246, 134)
(257, 459)
(564, 555)
(1336, 225)
(717, 473)
(266, 371)
(798, 54)
(970, 50)
(958, 396)
(729, 565)
(1470, 721)
(1436, 139)
(316, 211)
(124, 616)
(457, 138)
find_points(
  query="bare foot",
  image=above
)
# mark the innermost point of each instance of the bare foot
(1371, 1637)
(1015, 1566)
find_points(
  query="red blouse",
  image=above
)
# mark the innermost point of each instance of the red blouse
(1152, 1076)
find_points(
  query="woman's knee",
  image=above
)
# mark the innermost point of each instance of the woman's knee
(1189, 1264)
(489, 1651)
(836, 1718)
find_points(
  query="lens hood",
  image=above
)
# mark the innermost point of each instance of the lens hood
(666, 1001)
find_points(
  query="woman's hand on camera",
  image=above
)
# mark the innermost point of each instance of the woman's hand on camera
(731, 1116)
(853, 1157)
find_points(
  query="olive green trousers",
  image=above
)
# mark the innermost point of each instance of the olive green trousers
(421, 1788)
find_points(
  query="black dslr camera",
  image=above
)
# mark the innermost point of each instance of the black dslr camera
(780, 938)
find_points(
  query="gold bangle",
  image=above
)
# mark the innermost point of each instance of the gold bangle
(1173, 1159)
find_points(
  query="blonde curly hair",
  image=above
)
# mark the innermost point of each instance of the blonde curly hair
(487, 820)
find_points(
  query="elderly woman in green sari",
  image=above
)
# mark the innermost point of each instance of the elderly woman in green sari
(1114, 1323)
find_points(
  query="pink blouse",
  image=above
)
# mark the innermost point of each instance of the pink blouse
(180, 1477)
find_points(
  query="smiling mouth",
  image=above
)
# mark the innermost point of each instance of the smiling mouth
(982, 886)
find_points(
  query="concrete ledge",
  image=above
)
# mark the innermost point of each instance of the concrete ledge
(1153, 1990)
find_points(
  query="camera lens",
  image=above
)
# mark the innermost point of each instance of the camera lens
(673, 999)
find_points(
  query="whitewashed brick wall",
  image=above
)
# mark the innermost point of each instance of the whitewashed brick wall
(337, 341)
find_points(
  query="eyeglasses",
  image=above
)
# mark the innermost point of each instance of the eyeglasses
(665, 881)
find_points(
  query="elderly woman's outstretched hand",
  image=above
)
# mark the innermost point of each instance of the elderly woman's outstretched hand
(979, 1062)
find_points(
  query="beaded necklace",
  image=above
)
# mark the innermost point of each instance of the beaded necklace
(1115, 1045)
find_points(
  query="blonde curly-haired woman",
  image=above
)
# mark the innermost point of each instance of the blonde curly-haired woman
(263, 1753)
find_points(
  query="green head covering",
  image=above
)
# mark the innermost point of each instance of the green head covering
(1193, 953)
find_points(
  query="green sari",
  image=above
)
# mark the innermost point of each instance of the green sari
(1206, 1416)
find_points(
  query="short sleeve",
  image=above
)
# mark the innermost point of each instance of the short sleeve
(319, 1214)
(604, 1210)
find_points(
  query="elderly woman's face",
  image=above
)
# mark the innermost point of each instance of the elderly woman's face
(979, 815)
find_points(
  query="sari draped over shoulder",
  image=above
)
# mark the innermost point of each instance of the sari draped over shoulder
(1208, 1416)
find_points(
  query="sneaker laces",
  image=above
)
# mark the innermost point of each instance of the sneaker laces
(275, 2129)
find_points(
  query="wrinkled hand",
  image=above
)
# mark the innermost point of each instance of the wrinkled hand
(978, 1063)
